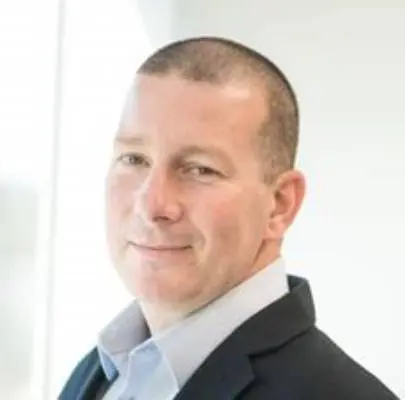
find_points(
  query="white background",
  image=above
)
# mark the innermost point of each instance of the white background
(346, 61)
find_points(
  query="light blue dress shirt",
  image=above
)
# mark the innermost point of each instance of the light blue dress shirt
(157, 367)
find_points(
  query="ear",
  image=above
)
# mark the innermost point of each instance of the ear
(288, 194)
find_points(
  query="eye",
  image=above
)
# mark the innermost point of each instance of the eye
(202, 171)
(132, 159)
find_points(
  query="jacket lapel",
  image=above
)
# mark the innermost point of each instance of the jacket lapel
(86, 381)
(228, 370)
(93, 383)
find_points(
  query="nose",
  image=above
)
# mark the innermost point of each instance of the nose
(157, 199)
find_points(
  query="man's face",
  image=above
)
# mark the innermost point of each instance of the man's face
(187, 209)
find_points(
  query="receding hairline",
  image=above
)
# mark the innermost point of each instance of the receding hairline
(243, 63)
(192, 47)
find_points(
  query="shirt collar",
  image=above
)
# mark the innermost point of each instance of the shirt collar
(125, 332)
(201, 331)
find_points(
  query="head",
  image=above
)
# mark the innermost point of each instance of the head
(202, 185)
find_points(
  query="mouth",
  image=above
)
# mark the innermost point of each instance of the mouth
(159, 250)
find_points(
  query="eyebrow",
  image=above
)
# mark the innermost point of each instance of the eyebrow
(129, 140)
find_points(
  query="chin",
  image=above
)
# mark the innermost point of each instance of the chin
(160, 281)
(161, 291)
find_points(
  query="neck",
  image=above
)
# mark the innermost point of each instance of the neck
(160, 318)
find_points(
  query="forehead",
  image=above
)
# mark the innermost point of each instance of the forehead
(170, 107)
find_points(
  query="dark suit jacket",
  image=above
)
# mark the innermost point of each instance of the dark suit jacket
(278, 354)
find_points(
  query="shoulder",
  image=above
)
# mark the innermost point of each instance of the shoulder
(314, 366)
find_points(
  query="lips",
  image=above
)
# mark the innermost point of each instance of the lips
(160, 251)
(159, 247)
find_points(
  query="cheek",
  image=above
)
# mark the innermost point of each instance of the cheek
(231, 223)
(219, 220)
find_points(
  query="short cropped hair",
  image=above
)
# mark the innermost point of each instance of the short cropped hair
(219, 61)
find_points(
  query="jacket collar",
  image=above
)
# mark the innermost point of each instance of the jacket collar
(227, 371)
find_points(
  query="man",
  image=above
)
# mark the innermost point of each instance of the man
(201, 190)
